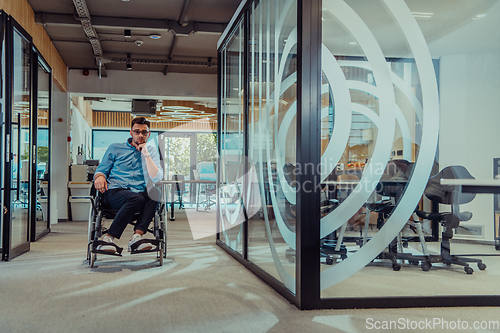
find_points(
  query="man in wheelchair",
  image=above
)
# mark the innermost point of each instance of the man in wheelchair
(122, 179)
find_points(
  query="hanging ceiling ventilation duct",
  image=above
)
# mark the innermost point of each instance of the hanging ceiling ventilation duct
(144, 107)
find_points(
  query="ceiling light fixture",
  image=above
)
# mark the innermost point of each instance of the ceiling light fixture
(155, 36)
(129, 61)
(422, 15)
(478, 17)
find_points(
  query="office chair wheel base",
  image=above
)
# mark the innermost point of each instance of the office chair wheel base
(468, 270)
(413, 262)
(329, 260)
(481, 266)
(426, 266)
(396, 267)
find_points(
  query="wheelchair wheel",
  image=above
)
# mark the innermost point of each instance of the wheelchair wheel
(160, 259)
(93, 258)
(95, 228)
(163, 244)
(91, 232)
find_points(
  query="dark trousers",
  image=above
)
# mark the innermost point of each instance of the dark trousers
(129, 203)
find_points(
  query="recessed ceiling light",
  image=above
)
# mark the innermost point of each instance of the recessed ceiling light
(155, 36)
(353, 43)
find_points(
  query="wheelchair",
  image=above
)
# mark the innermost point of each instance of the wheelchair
(98, 214)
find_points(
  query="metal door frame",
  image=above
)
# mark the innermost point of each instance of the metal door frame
(11, 26)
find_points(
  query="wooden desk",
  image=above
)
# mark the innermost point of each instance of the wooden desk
(166, 183)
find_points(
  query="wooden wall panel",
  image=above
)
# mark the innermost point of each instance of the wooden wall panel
(22, 12)
(123, 119)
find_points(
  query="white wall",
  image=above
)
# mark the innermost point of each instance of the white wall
(174, 85)
(81, 133)
(470, 119)
(59, 156)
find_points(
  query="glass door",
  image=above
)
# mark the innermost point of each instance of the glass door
(40, 166)
(179, 156)
(2, 129)
(18, 150)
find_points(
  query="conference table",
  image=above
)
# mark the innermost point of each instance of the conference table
(478, 186)
(475, 185)
(180, 183)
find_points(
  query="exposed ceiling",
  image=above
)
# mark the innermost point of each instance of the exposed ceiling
(151, 35)
(162, 36)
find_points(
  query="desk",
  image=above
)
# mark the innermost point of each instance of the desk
(475, 185)
(165, 183)
(479, 186)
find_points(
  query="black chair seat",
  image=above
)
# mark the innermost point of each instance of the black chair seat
(383, 206)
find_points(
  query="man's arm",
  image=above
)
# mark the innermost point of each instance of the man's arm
(100, 176)
(155, 172)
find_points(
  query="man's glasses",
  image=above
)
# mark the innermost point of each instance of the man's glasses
(137, 132)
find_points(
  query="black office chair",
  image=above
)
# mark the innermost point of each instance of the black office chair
(453, 196)
(329, 247)
(98, 213)
(177, 189)
(392, 185)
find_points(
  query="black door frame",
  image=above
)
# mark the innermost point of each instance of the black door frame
(11, 26)
(37, 61)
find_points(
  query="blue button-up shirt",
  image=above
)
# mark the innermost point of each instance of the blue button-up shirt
(124, 167)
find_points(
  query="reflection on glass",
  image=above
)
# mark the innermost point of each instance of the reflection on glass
(20, 141)
(381, 117)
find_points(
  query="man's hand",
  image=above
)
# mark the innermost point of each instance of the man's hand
(100, 183)
(140, 147)
(143, 148)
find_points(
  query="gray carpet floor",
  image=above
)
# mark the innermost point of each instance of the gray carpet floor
(199, 288)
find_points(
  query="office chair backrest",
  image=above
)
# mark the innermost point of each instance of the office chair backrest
(449, 194)
(206, 170)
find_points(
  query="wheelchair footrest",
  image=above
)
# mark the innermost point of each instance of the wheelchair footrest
(108, 253)
(154, 242)
(96, 243)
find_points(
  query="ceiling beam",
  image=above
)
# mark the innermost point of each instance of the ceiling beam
(107, 22)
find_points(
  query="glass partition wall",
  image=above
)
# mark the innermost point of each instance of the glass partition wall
(41, 162)
(356, 166)
(25, 93)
